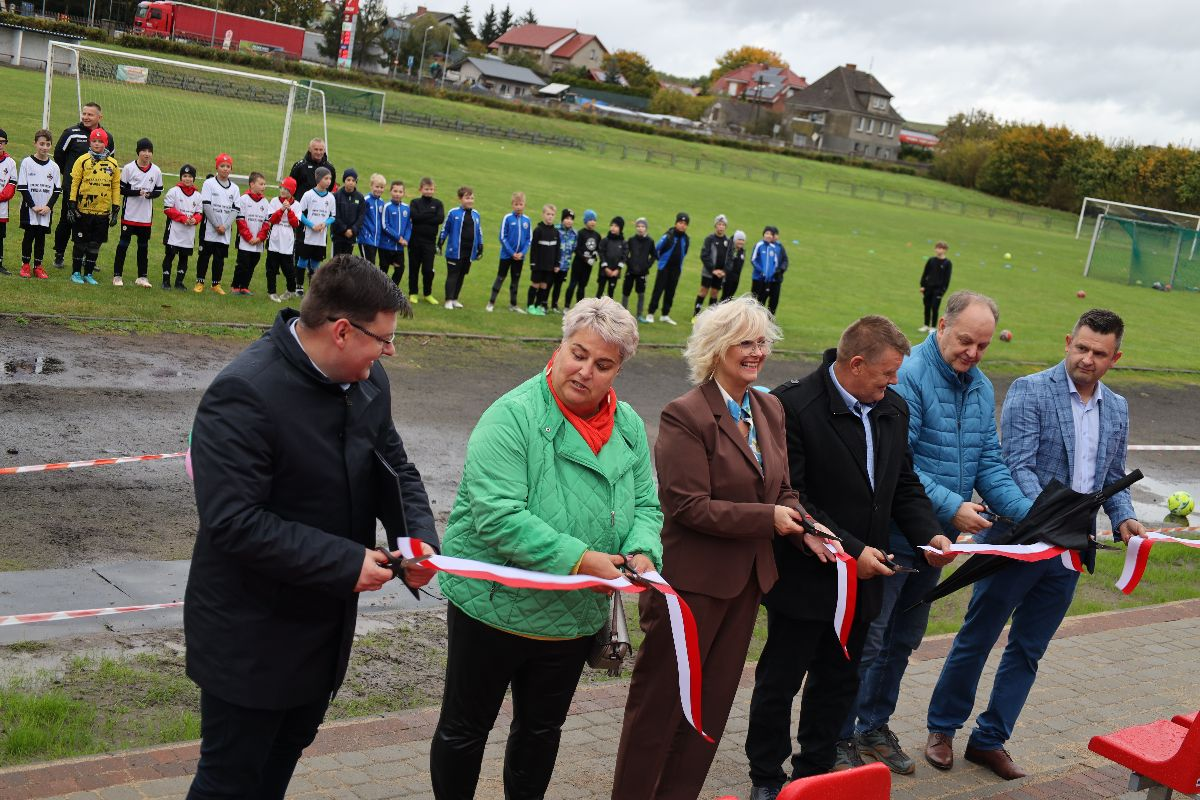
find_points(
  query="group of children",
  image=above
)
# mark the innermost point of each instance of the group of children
(294, 232)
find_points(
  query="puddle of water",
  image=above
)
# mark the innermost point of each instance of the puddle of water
(36, 365)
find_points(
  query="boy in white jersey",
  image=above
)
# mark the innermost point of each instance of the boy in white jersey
(8, 188)
(184, 209)
(316, 210)
(281, 242)
(141, 182)
(219, 195)
(253, 229)
(40, 183)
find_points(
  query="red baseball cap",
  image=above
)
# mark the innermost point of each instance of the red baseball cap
(98, 135)
(224, 159)
(289, 183)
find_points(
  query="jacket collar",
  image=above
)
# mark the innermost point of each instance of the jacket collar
(286, 343)
(933, 354)
(716, 403)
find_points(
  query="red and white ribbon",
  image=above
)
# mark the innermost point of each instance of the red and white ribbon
(847, 595)
(683, 624)
(1039, 551)
(1137, 553)
(54, 616)
(94, 462)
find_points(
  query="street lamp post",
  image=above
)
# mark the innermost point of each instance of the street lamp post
(421, 66)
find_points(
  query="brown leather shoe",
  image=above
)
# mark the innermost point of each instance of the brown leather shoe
(939, 751)
(998, 761)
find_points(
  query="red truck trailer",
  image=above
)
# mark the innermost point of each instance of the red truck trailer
(217, 28)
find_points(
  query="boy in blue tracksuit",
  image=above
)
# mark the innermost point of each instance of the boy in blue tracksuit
(462, 242)
(768, 262)
(567, 235)
(372, 222)
(671, 250)
(394, 234)
(516, 233)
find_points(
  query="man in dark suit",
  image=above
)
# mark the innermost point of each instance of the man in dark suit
(846, 421)
(287, 525)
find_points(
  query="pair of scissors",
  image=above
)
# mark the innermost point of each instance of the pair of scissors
(809, 525)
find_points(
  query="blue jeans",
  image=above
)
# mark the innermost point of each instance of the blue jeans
(893, 636)
(1036, 596)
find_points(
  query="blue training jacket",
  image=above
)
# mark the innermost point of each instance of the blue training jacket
(396, 226)
(766, 260)
(516, 234)
(952, 433)
(567, 238)
(372, 222)
(668, 243)
(451, 235)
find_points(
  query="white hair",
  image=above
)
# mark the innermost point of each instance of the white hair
(720, 327)
(607, 319)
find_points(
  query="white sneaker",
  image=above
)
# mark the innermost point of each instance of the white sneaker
(517, 309)
(648, 318)
(275, 298)
(923, 329)
(143, 283)
(117, 281)
(457, 304)
(490, 308)
(450, 305)
(668, 320)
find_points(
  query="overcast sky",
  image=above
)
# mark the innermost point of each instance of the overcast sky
(1118, 70)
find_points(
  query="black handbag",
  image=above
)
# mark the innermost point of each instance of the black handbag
(610, 644)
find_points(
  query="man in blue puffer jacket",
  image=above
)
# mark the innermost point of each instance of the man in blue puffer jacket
(956, 452)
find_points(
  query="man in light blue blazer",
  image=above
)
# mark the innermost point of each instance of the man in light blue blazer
(1062, 424)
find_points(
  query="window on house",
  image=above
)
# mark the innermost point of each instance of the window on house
(862, 124)
(879, 103)
(817, 117)
(870, 126)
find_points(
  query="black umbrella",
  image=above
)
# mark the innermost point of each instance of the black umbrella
(1060, 516)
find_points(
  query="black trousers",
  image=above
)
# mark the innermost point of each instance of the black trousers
(420, 255)
(342, 245)
(217, 252)
(483, 662)
(62, 231)
(243, 268)
(933, 301)
(33, 245)
(368, 252)
(456, 271)
(665, 281)
(556, 283)
(730, 285)
(581, 273)
(183, 253)
(250, 753)
(281, 262)
(509, 268)
(767, 292)
(607, 285)
(796, 649)
(142, 234)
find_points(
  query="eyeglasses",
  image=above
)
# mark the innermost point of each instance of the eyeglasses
(383, 341)
(749, 346)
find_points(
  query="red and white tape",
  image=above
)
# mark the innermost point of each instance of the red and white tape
(683, 624)
(1039, 551)
(847, 595)
(1167, 448)
(54, 616)
(1137, 553)
(93, 462)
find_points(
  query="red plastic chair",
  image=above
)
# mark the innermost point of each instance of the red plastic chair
(1186, 720)
(1163, 756)
(871, 782)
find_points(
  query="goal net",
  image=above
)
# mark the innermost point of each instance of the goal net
(191, 112)
(350, 101)
(1144, 253)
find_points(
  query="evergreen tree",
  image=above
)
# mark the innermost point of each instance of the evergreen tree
(462, 25)
(506, 20)
(529, 18)
(488, 28)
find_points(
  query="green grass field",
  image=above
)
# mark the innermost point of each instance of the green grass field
(849, 256)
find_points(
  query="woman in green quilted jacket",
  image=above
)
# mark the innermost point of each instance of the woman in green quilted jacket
(557, 479)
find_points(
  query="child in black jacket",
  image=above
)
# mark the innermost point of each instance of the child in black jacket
(614, 254)
(735, 259)
(641, 260)
(935, 280)
(544, 249)
(348, 219)
(587, 255)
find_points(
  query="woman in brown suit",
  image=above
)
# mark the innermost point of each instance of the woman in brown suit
(723, 484)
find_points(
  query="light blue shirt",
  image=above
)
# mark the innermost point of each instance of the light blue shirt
(1087, 437)
(863, 412)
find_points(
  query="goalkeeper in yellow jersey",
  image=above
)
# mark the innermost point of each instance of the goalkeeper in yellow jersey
(94, 205)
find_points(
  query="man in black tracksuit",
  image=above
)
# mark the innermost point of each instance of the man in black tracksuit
(303, 171)
(427, 215)
(71, 145)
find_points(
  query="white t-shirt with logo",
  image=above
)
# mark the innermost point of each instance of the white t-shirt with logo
(221, 208)
(42, 181)
(138, 210)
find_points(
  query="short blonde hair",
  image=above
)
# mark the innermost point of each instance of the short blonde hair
(553, 209)
(377, 178)
(608, 319)
(518, 196)
(720, 327)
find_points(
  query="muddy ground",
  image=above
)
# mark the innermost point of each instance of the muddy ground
(67, 395)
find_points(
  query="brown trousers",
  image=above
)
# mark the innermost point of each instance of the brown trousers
(660, 755)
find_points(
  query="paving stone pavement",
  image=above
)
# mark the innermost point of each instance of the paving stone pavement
(1102, 673)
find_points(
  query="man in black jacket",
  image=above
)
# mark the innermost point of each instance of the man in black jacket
(304, 171)
(287, 525)
(854, 428)
(71, 145)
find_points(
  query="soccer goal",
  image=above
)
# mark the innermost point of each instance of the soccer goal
(1094, 206)
(191, 112)
(1143, 253)
(351, 101)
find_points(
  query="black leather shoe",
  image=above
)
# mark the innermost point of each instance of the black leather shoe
(765, 792)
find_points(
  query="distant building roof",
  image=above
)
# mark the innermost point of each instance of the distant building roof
(846, 89)
(573, 45)
(499, 70)
(763, 83)
(440, 16)
(540, 37)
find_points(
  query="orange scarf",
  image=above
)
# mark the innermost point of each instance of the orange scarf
(597, 429)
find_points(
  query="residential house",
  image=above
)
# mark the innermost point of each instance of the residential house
(439, 17)
(846, 111)
(498, 77)
(554, 48)
(760, 83)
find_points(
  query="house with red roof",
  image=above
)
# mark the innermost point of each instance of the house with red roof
(554, 48)
(760, 83)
